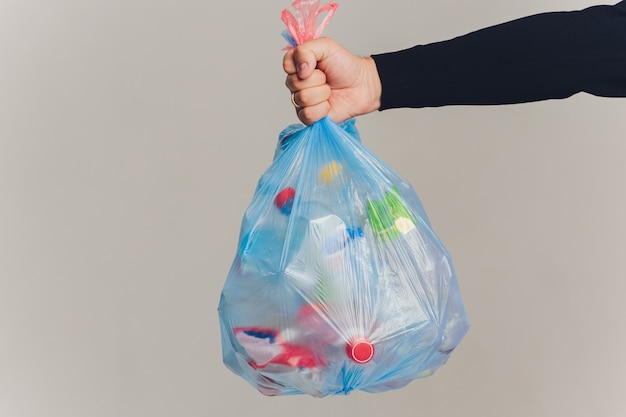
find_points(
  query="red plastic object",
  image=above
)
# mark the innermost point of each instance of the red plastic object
(360, 350)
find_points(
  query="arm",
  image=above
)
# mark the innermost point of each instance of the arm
(540, 57)
(545, 56)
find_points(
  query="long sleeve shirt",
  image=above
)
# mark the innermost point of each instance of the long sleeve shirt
(539, 57)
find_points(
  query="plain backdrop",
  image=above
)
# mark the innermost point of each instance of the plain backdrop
(132, 135)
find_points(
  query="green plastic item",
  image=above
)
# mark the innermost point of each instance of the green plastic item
(390, 217)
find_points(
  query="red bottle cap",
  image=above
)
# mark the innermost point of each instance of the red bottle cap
(360, 350)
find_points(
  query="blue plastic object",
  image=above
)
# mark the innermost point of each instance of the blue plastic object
(339, 282)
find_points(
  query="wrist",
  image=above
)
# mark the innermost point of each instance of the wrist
(374, 85)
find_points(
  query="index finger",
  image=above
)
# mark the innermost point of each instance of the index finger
(289, 66)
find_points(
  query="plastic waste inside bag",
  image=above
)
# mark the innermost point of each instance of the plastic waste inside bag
(338, 281)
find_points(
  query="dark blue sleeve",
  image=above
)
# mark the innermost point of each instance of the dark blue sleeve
(539, 57)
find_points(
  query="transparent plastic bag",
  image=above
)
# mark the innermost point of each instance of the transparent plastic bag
(339, 282)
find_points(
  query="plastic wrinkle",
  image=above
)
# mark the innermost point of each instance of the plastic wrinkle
(302, 26)
(339, 282)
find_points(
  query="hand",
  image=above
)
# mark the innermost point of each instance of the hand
(327, 79)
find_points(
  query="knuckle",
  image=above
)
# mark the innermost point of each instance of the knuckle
(292, 82)
(288, 65)
(304, 97)
(319, 76)
(288, 82)
(307, 113)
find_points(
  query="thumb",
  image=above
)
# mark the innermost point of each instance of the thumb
(307, 56)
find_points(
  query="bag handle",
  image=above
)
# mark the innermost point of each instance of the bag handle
(302, 27)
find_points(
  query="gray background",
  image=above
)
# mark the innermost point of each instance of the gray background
(132, 134)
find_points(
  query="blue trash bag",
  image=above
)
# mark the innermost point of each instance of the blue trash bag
(339, 282)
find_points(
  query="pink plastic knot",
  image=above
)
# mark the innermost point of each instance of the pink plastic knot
(302, 26)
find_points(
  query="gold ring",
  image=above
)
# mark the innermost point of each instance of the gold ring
(293, 101)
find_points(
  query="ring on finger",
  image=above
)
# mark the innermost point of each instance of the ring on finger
(293, 101)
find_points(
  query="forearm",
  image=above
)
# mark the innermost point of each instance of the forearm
(545, 56)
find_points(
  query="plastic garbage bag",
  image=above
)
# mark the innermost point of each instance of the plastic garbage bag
(339, 282)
